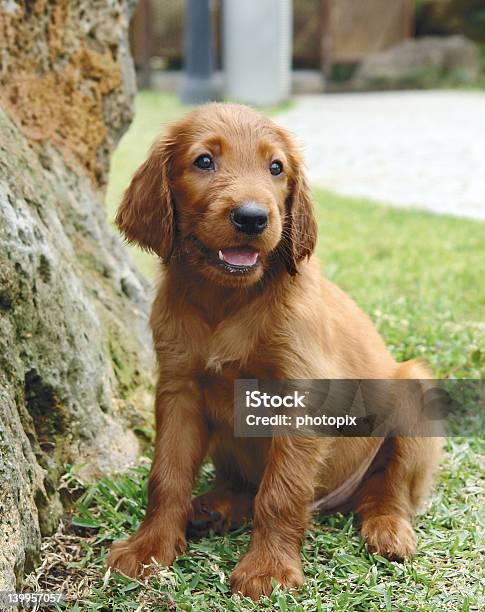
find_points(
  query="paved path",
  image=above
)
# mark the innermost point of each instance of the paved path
(420, 149)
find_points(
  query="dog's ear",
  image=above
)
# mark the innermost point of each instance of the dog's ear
(146, 214)
(300, 227)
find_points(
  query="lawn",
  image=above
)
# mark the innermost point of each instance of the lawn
(420, 277)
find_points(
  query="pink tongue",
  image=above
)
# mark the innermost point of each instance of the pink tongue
(239, 257)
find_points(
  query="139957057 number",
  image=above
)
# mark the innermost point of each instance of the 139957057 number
(29, 600)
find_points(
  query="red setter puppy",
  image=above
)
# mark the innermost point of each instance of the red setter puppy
(222, 199)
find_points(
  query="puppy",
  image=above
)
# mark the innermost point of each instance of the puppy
(223, 201)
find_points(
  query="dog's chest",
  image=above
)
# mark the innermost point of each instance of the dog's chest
(226, 359)
(230, 365)
(225, 351)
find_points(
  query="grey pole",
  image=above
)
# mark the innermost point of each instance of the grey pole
(197, 83)
(257, 48)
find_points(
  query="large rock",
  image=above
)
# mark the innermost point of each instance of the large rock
(439, 17)
(75, 361)
(420, 62)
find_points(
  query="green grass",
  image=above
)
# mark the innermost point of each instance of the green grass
(340, 574)
(420, 277)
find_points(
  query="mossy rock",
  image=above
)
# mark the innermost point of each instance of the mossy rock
(75, 358)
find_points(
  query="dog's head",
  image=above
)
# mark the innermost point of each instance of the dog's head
(224, 191)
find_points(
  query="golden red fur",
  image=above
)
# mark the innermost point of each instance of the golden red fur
(214, 322)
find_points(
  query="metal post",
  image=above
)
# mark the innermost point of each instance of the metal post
(147, 40)
(197, 84)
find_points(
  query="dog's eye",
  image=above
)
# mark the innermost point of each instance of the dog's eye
(204, 162)
(276, 167)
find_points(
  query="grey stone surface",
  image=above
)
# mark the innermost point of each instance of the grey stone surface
(75, 362)
(422, 149)
(420, 62)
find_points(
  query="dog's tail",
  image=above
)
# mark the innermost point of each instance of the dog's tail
(412, 402)
(413, 369)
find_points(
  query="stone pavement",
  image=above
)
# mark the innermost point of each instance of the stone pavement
(424, 149)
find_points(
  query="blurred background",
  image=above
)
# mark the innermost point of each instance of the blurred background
(332, 44)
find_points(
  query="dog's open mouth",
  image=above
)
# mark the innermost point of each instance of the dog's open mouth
(238, 259)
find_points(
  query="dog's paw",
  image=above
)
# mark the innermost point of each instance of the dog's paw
(390, 536)
(136, 556)
(209, 513)
(252, 576)
(218, 511)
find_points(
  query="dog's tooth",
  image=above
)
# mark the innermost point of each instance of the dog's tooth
(221, 256)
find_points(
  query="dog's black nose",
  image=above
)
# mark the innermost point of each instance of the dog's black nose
(249, 218)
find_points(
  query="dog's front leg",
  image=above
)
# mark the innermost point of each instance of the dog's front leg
(180, 446)
(281, 513)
